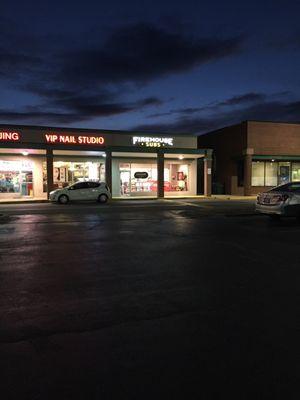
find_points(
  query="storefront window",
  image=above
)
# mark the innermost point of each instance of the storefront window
(271, 174)
(296, 172)
(141, 178)
(16, 177)
(138, 179)
(176, 177)
(258, 173)
(67, 172)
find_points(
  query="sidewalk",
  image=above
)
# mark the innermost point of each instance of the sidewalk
(222, 197)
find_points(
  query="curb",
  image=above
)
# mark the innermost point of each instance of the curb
(24, 202)
(119, 199)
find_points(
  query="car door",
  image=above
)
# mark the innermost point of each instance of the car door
(294, 188)
(94, 190)
(79, 191)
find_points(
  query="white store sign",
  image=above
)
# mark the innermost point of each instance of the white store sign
(150, 141)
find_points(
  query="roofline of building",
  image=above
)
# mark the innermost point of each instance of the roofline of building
(92, 130)
(272, 122)
(246, 121)
(220, 129)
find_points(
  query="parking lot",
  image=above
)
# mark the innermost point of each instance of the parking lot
(148, 299)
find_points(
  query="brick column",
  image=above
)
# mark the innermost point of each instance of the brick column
(108, 168)
(247, 171)
(49, 163)
(160, 174)
(208, 174)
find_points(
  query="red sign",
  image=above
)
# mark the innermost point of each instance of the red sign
(9, 136)
(55, 138)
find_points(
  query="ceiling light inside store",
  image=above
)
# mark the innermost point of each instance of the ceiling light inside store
(25, 153)
(104, 155)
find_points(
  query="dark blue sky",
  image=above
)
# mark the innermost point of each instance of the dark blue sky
(188, 66)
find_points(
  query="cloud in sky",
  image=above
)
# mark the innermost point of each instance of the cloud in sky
(270, 109)
(77, 109)
(238, 100)
(102, 77)
(144, 52)
(87, 82)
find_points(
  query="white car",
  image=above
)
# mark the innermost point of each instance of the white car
(82, 191)
(283, 200)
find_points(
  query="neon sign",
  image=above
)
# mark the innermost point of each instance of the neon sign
(9, 136)
(54, 138)
(148, 141)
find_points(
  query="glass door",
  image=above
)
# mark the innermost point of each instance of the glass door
(26, 183)
(284, 172)
(125, 183)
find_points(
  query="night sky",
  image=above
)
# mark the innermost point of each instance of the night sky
(172, 66)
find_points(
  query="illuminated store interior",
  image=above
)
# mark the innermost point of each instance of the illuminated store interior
(36, 160)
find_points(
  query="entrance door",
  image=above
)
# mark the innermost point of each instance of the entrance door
(125, 183)
(284, 172)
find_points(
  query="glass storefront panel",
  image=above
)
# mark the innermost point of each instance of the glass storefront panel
(295, 171)
(271, 174)
(141, 178)
(67, 172)
(258, 173)
(283, 172)
(138, 179)
(16, 177)
(176, 176)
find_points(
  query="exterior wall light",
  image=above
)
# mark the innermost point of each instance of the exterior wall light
(25, 153)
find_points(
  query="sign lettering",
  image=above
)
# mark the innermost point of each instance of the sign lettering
(9, 136)
(148, 141)
(54, 138)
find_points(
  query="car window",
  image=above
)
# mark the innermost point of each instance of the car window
(294, 187)
(94, 184)
(288, 187)
(281, 188)
(81, 185)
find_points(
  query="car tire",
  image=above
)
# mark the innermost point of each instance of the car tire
(102, 198)
(63, 199)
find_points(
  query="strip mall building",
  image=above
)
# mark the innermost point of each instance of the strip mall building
(35, 160)
(253, 156)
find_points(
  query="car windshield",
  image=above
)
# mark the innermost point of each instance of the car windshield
(288, 187)
(281, 188)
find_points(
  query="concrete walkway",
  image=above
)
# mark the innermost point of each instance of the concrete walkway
(199, 197)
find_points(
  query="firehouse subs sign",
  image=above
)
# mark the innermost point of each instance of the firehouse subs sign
(150, 141)
(55, 138)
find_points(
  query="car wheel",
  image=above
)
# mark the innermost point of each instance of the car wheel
(102, 198)
(63, 199)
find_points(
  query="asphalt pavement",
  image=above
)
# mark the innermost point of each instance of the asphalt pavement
(164, 299)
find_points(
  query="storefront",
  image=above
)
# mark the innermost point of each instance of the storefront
(35, 160)
(253, 156)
